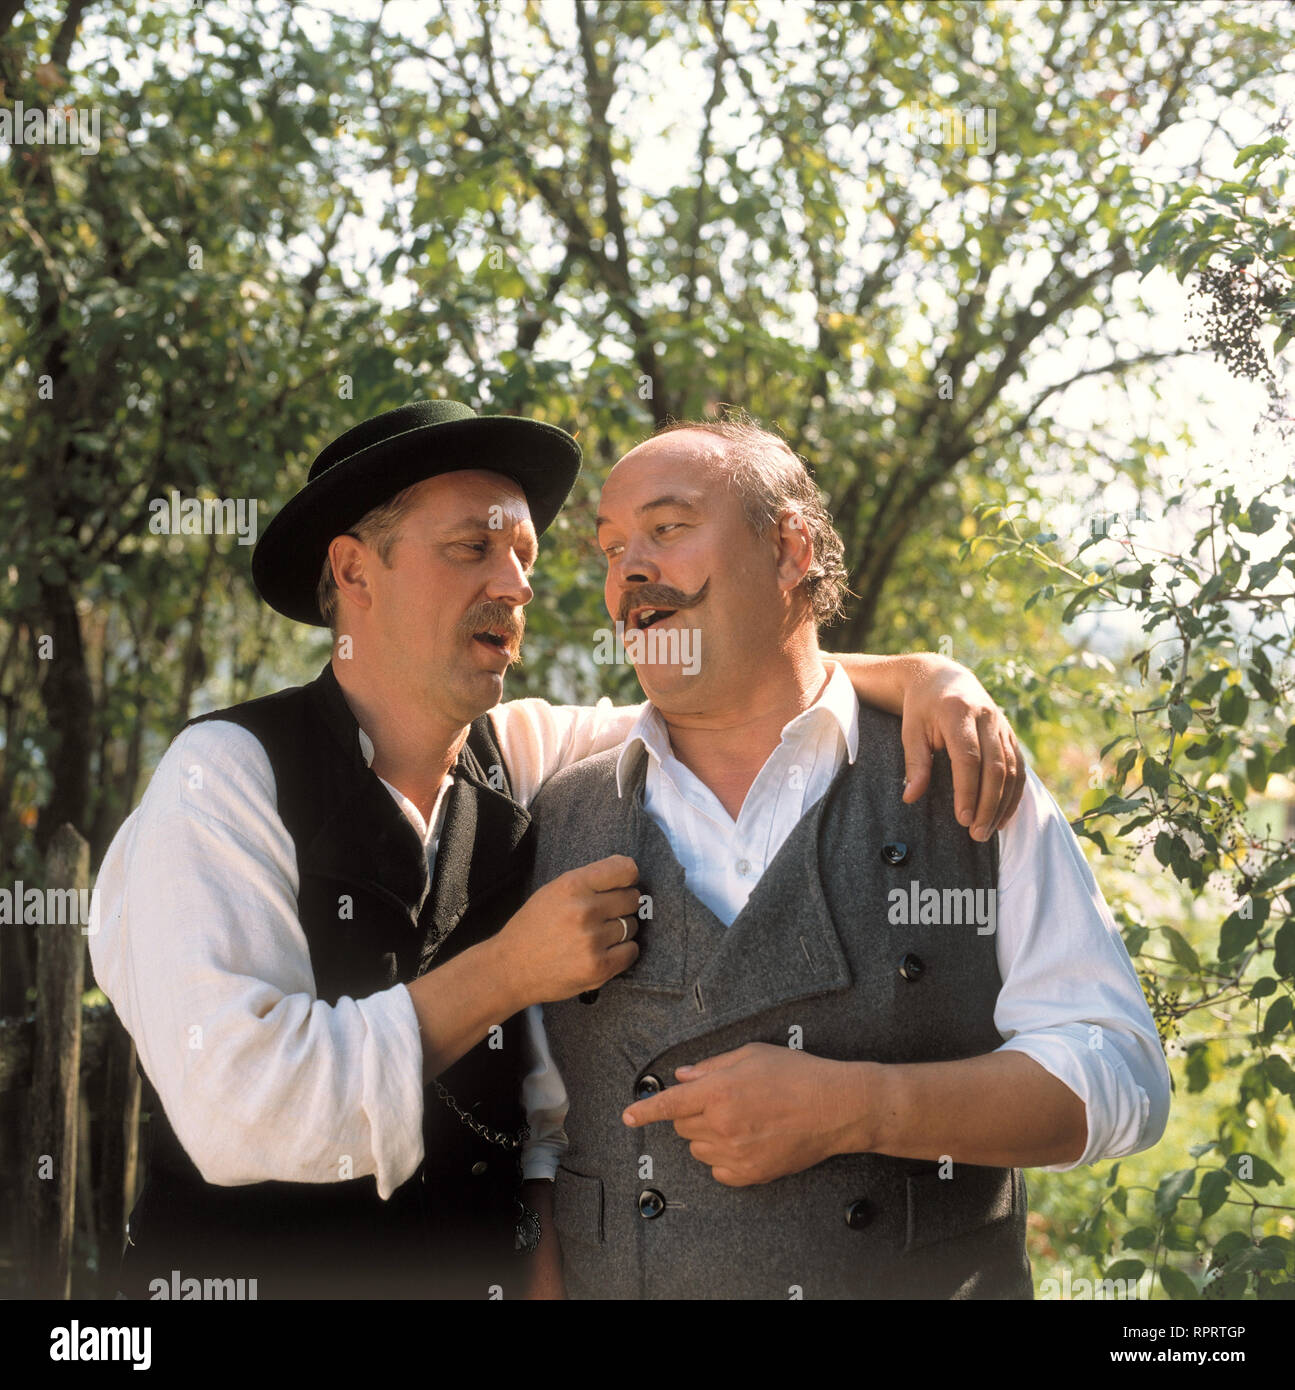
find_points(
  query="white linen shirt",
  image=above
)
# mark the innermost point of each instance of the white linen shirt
(201, 952)
(199, 947)
(1070, 997)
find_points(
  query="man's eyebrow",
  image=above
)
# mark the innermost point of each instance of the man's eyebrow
(671, 499)
(526, 544)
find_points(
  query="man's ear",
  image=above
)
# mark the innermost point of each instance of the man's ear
(350, 558)
(795, 549)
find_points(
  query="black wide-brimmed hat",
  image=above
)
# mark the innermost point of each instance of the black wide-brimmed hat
(380, 457)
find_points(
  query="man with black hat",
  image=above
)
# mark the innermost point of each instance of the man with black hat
(313, 925)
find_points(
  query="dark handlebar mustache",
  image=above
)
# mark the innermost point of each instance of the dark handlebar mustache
(658, 596)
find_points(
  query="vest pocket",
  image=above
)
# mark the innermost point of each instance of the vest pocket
(941, 1209)
(578, 1207)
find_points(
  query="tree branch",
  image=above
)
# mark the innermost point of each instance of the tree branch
(703, 154)
(1119, 365)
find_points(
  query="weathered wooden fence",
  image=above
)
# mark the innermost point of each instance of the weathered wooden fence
(77, 1149)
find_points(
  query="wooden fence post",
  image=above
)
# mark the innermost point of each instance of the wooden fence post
(50, 1161)
(119, 1153)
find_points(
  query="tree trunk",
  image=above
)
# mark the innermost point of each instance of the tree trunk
(69, 707)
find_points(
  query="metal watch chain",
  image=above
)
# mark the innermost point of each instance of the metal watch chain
(526, 1231)
(505, 1141)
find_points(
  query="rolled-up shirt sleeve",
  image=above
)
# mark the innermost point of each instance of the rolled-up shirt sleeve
(1070, 997)
(200, 949)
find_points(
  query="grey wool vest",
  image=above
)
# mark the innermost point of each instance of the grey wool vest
(822, 957)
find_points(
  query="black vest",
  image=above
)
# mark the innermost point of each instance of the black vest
(372, 920)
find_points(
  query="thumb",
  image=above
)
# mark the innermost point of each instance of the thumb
(917, 759)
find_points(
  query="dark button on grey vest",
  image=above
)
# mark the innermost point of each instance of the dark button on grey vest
(815, 961)
(372, 920)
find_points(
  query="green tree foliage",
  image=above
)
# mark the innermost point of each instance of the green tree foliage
(1201, 729)
(604, 215)
(194, 307)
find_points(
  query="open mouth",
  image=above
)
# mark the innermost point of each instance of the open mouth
(645, 617)
(497, 641)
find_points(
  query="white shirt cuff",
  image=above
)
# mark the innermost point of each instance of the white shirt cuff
(1116, 1108)
(393, 1083)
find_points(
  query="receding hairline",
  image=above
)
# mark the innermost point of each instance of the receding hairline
(732, 455)
(716, 446)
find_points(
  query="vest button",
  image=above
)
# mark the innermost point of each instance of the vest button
(912, 968)
(651, 1203)
(894, 853)
(647, 1085)
(479, 1167)
(858, 1214)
